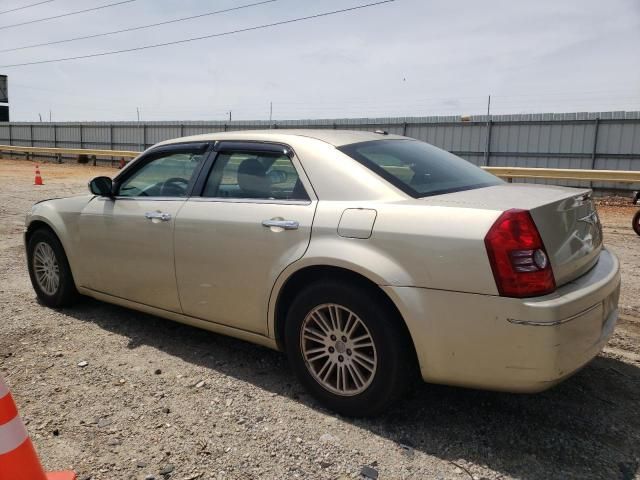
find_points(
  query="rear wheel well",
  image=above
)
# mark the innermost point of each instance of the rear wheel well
(304, 277)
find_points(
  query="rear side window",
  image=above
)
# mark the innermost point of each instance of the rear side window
(419, 169)
(263, 175)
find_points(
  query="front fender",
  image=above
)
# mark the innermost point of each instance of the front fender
(61, 215)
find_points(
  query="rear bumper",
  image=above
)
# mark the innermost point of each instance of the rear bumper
(516, 345)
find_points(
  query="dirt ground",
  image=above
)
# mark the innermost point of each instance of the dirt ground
(161, 400)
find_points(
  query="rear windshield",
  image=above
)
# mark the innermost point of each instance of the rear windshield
(418, 168)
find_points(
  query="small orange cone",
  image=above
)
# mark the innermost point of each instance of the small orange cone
(18, 458)
(38, 180)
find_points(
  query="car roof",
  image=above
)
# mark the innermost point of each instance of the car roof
(333, 137)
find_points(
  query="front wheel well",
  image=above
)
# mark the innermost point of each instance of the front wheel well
(37, 225)
(304, 277)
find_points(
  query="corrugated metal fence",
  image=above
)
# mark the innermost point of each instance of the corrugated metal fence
(602, 141)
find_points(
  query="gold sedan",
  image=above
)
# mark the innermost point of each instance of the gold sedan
(369, 258)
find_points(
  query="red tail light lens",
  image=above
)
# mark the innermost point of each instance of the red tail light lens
(518, 258)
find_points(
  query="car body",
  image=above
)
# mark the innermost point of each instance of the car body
(354, 210)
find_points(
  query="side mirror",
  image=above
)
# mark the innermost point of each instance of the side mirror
(102, 186)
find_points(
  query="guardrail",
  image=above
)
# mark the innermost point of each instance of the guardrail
(82, 153)
(625, 176)
(509, 173)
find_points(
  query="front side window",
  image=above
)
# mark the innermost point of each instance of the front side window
(165, 176)
(418, 168)
(268, 176)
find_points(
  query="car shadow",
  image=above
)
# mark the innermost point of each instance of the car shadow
(587, 427)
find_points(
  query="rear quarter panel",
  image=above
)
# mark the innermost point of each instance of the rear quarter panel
(411, 245)
(438, 247)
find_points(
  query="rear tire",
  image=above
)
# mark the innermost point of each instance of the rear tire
(636, 222)
(348, 348)
(49, 270)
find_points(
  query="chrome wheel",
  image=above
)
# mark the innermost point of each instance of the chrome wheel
(338, 349)
(46, 269)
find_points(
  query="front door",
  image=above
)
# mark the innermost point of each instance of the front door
(251, 221)
(127, 241)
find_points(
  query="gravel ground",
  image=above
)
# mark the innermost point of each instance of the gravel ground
(157, 399)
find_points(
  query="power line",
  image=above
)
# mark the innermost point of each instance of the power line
(26, 6)
(141, 27)
(606, 95)
(610, 95)
(77, 12)
(194, 39)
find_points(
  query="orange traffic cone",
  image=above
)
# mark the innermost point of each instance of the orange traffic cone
(18, 458)
(38, 180)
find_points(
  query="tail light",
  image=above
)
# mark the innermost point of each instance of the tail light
(518, 258)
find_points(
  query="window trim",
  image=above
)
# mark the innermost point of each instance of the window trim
(252, 146)
(261, 201)
(175, 148)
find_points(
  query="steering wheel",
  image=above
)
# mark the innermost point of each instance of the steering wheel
(174, 185)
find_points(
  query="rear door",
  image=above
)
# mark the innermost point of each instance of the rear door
(127, 241)
(252, 218)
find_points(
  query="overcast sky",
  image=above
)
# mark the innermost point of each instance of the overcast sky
(406, 58)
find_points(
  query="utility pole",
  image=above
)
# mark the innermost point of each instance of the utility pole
(270, 113)
(40, 115)
(487, 151)
(142, 140)
(4, 99)
(229, 115)
(49, 115)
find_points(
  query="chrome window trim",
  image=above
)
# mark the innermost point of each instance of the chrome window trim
(250, 200)
(142, 198)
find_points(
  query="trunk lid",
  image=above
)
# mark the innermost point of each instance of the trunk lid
(566, 219)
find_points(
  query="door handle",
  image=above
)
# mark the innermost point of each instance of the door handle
(284, 224)
(165, 217)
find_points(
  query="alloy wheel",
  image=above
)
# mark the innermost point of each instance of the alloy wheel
(338, 349)
(46, 268)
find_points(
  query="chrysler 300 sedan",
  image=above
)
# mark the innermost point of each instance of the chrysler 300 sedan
(368, 258)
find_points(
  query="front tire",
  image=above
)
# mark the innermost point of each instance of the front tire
(348, 348)
(49, 269)
(636, 222)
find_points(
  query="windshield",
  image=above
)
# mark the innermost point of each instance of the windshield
(418, 168)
